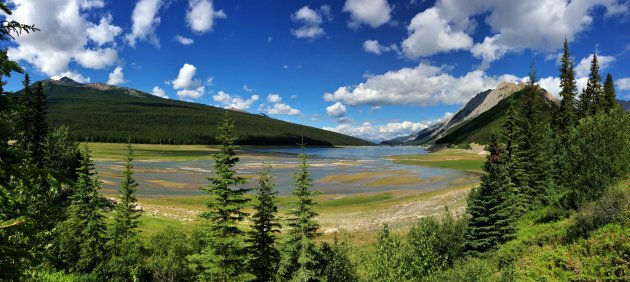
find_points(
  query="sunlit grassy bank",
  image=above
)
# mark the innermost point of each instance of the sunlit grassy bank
(151, 152)
(460, 159)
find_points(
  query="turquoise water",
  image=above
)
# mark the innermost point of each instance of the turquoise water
(323, 161)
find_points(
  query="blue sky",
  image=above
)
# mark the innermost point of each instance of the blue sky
(376, 69)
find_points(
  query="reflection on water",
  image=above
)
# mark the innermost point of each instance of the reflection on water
(180, 177)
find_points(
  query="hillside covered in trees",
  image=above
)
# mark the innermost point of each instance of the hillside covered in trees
(104, 113)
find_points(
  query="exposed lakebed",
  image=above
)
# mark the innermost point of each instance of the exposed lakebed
(345, 170)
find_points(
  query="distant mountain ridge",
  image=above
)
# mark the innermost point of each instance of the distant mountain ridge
(106, 113)
(473, 122)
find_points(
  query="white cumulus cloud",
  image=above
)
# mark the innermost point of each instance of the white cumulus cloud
(283, 109)
(67, 35)
(145, 20)
(187, 85)
(374, 47)
(422, 85)
(584, 67)
(104, 32)
(336, 110)
(201, 15)
(429, 34)
(157, 91)
(539, 25)
(370, 12)
(183, 40)
(311, 21)
(117, 76)
(274, 98)
(234, 102)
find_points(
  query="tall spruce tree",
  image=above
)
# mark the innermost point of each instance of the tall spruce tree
(512, 136)
(591, 94)
(124, 245)
(81, 243)
(609, 97)
(298, 261)
(566, 117)
(39, 125)
(534, 143)
(263, 251)
(224, 257)
(490, 205)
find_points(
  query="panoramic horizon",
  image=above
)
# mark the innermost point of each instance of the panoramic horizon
(339, 141)
(371, 69)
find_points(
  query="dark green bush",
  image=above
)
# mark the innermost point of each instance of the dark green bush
(610, 208)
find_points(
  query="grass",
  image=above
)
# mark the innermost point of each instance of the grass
(447, 158)
(151, 152)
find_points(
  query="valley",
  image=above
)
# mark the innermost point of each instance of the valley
(361, 187)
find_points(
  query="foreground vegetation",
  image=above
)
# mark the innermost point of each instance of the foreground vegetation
(552, 205)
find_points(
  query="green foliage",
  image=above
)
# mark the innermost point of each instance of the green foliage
(610, 208)
(490, 205)
(601, 257)
(124, 246)
(299, 252)
(598, 154)
(62, 155)
(263, 252)
(433, 244)
(169, 249)
(335, 263)
(81, 243)
(121, 115)
(225, 254)
(469, 270)
(387, 263)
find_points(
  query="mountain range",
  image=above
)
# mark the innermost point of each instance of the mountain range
(474, 122)
(100, 112)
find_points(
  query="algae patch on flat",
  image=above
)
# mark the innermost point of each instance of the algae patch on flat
(395, 180)
(171, 184)
(361, 176)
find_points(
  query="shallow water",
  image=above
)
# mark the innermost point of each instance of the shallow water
(183, 178)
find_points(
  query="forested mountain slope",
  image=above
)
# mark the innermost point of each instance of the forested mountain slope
(105, 113)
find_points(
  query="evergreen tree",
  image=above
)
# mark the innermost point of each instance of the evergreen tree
(124, 246)
(264, 255)
(299, 254)
(32, 127)
(224, 257)
(81, 244)
(489, 205)
(609, 98)
(591, 95)
(39, 126)
(566, 117)
(531, 163)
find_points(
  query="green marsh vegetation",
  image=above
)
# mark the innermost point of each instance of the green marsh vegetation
(552, 205)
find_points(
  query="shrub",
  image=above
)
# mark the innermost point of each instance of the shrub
(170, 248)
(610, 208)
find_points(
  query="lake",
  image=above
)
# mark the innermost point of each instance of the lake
(344, 170)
